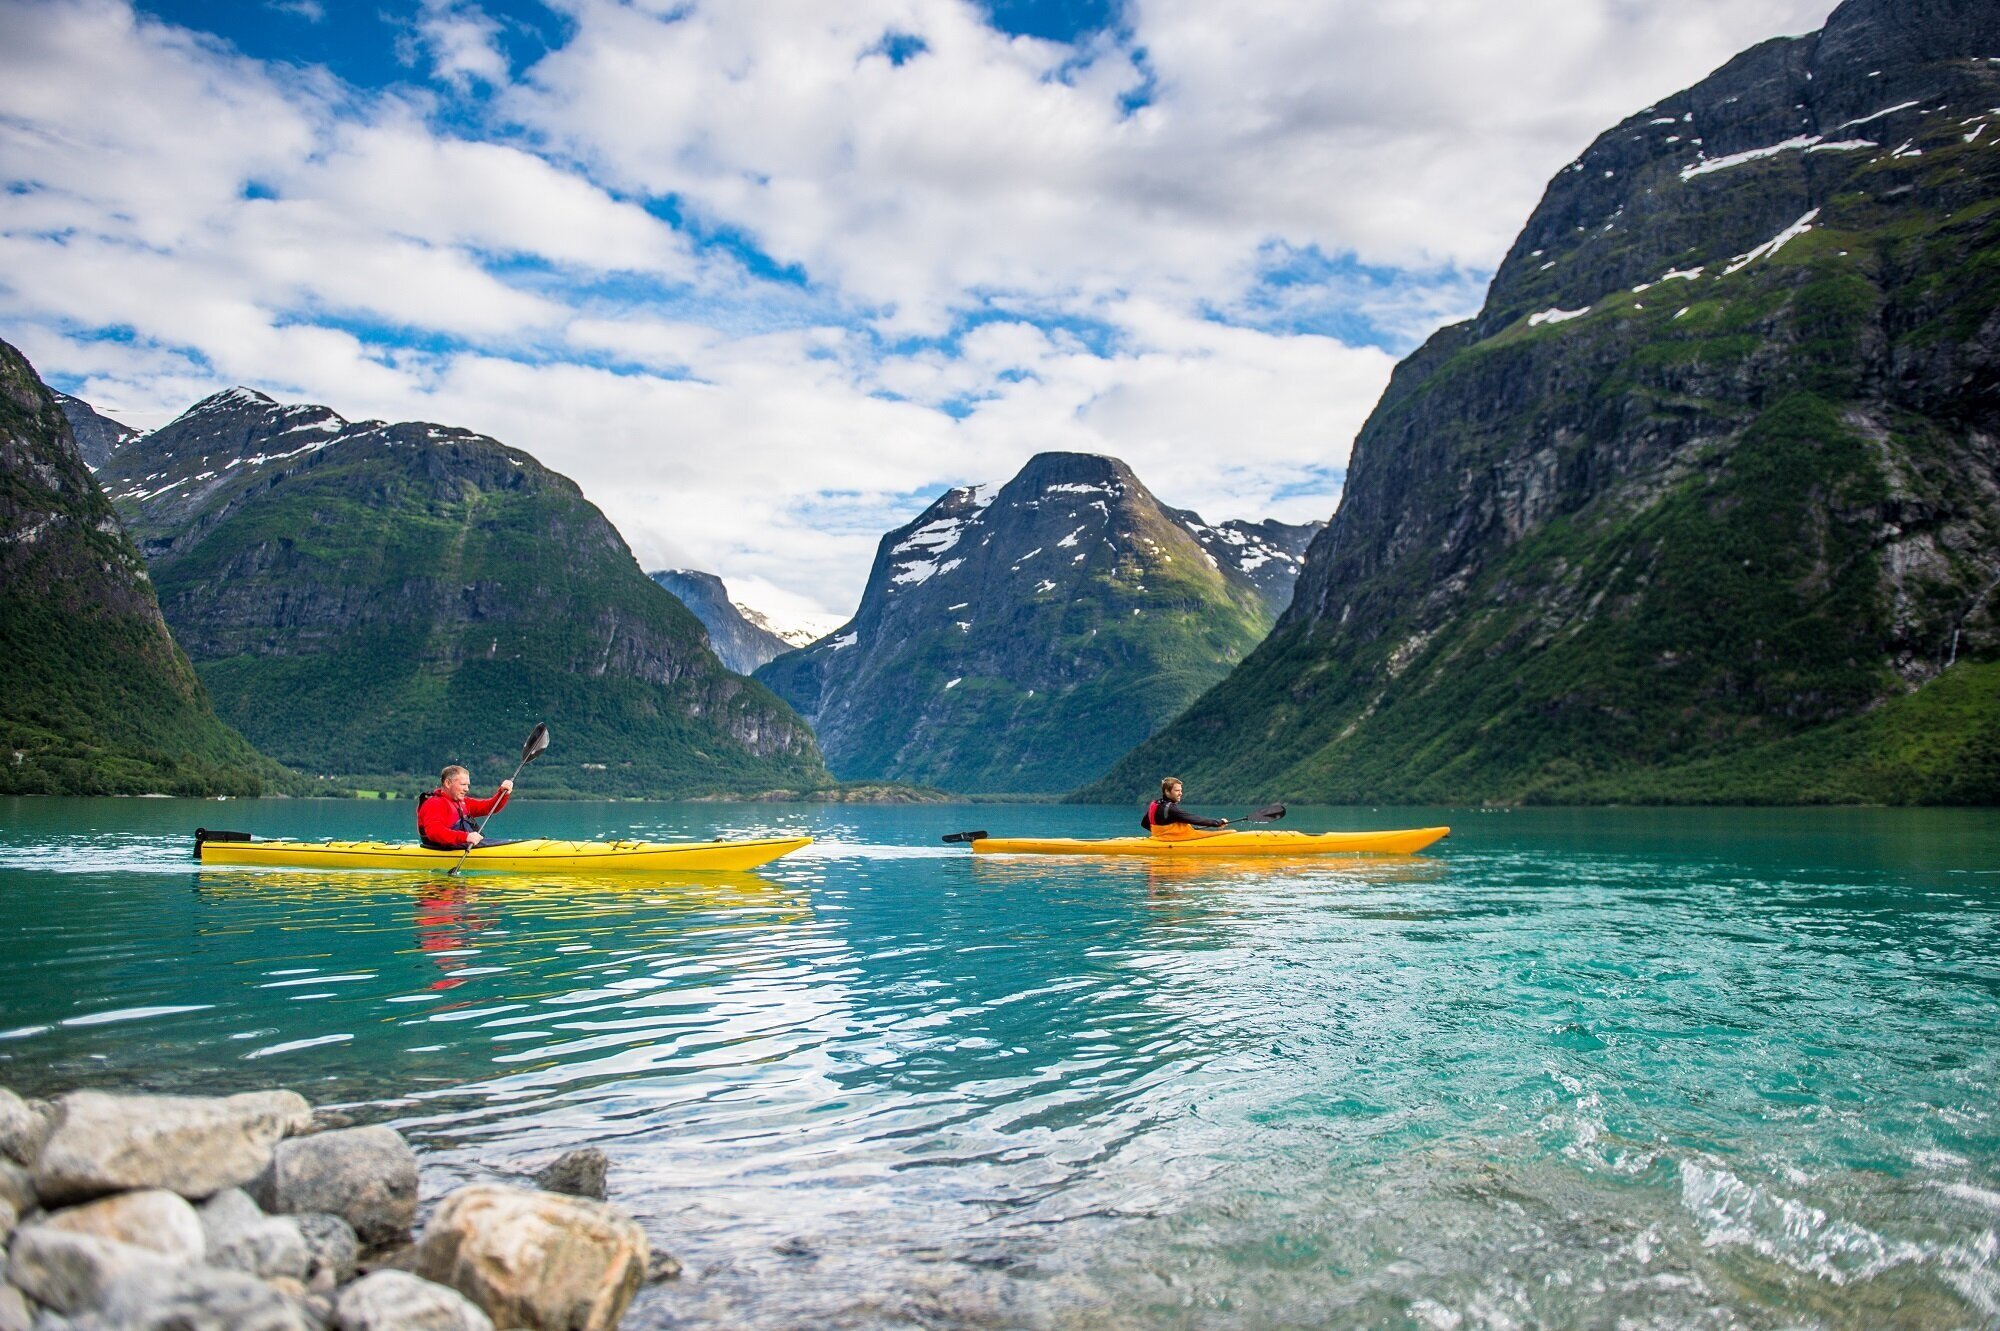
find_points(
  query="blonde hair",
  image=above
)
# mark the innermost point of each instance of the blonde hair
(446, 774)
(1167, 781)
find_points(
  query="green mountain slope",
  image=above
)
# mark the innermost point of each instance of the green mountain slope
(1705, 504)
(1016, 641)
(97, 699)
(382, 599)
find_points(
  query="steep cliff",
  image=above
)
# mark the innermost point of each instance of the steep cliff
(1705, 503)
(1016, 641)
(738, 643)
(368, 599)
(97, 435)
(97, 699)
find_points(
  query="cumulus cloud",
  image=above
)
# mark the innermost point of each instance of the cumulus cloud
(764, 276)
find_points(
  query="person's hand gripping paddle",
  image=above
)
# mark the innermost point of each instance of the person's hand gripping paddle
(538, 741)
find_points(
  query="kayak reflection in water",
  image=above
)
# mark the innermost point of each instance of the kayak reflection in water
(1165, 817)
(444, 817)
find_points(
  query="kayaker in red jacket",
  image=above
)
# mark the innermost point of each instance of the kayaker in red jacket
(444, 818)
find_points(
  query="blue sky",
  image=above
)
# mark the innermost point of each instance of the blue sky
(766, 275)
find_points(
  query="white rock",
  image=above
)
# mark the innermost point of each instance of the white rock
(71, 1273)
(17, 1187)
(21, 1128)
(198, 1299)
(535, 1260)
(14, 1314)
(154, 1219)
(194, 1146)
(399, 1301)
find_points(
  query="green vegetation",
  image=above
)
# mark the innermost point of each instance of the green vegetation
(1709, 543)
(397, 601)
(98, 700)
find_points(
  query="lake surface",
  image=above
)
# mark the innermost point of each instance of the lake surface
(1571, 1069)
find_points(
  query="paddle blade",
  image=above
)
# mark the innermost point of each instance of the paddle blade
(965, 836)
(538, 740)
(1268, 814)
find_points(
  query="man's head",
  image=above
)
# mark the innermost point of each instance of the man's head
(455, 781)
(1170, 789)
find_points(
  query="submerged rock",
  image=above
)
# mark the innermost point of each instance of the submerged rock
(154, 1219)
(399, 1301)
(195, 1146)
(535, 1260)
(366, 1176)
(578, 1173)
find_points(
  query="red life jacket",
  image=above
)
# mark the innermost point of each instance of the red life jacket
(1146, 818)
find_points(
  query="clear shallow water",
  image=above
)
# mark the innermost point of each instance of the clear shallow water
(1576, 1069)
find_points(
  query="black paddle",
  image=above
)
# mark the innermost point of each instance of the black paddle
(538, 741)
(980, 835)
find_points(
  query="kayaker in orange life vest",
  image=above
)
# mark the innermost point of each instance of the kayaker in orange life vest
(1167, 811)
(444, 818)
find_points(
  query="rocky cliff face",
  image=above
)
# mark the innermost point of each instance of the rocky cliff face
(1014, 641)
(740, 644)
(381, 599)
(97, 700)
(97, 435)
(1713, 473)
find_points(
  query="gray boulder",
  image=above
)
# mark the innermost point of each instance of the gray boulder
(366, 1176)
(8, 1217)
(399, 1301)
(14, 1314)
(22, 1130)
(578, 1173)
(154, 1219)
(332, 1249)
(196, 1299)
(72, 1273)
(195, 1146)
(17, 1188)
(242, 1238)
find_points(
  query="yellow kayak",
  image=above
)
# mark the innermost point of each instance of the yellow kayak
(532, 856)
(1406, 841)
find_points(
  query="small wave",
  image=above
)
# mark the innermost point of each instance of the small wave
(133, 1014)
(1798, 1234)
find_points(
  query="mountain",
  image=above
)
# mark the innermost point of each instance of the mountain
(373, 599)
(97, 435)
(1016, 641)
(741, 644)
(1704, 505)
(99, 700)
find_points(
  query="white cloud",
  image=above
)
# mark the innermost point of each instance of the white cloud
(1081, 272)
(462, 43)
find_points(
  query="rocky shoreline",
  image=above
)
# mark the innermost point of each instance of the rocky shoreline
(252, 1213)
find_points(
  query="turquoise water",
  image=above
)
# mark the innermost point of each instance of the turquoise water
(1573, 1069)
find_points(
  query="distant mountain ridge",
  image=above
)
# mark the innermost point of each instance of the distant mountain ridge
(741, 644)
(1705, 504)
(98, 700)
(368, 598)
(1017, 640)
